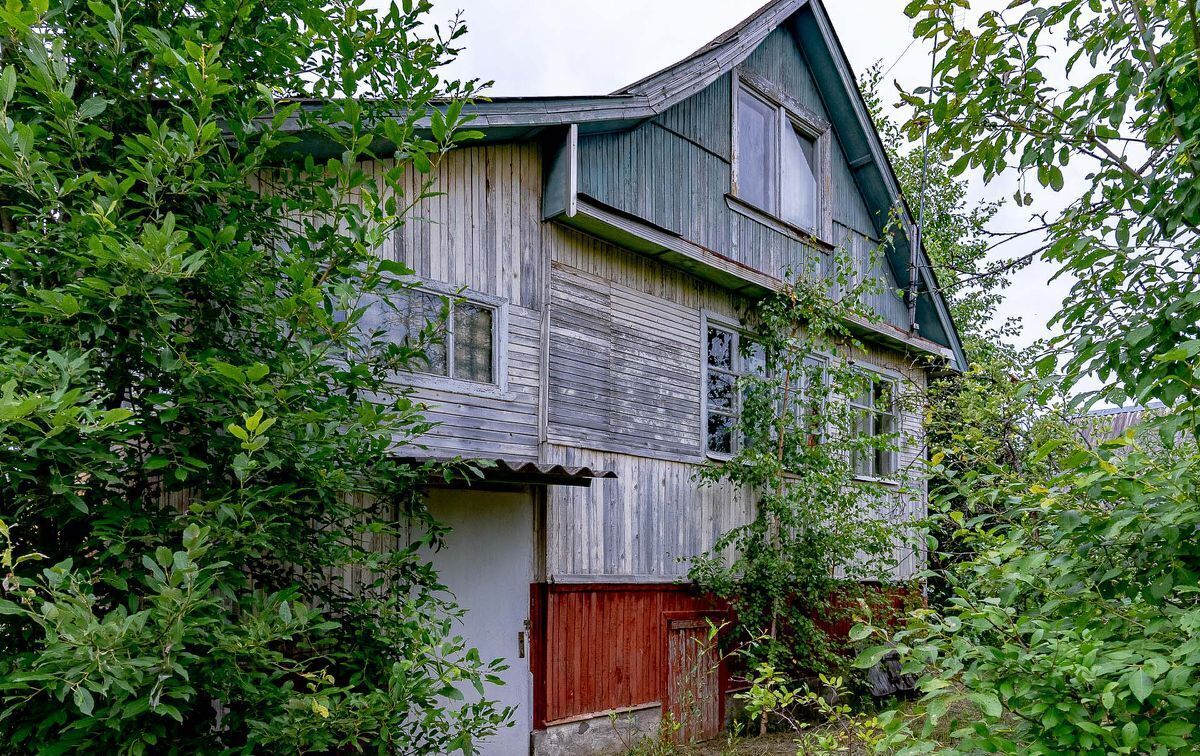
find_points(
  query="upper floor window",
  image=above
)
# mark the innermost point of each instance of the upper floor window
(730, 354)
(463, 340)
(875, 418)
(780, 164)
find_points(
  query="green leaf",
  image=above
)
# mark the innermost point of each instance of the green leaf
(92, 107)
(1141, 685)
(858, 632)
(257, 372)
(988, 702)
(8, 84)
(83, 699)
(869, 657)
(1130, 735)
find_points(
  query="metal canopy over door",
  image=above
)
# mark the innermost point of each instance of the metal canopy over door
(488, 564)
(693, 685)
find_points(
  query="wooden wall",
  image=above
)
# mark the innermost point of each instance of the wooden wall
(615, 403)
(484, 231)
(604, 369)
(675, 171)
(604, 645)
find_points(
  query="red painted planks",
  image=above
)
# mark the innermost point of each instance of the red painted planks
(604, 646)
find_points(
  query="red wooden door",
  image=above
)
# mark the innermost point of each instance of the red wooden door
(693, 680)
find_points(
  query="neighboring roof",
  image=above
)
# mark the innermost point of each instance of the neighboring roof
(1103, 425)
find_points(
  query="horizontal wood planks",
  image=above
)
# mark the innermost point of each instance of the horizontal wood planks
(624, 366)
(605, 646)
(478, 423)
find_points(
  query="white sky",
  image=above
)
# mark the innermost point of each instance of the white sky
(571, 47)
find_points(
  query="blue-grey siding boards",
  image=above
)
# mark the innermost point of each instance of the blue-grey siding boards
(675, 171)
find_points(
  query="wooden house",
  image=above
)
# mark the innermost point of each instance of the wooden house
(608, 245)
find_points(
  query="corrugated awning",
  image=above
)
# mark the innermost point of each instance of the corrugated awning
(465, 472)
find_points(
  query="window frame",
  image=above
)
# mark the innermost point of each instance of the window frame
(499, 308)
(713, 320)
(789, 113)
(877, 375)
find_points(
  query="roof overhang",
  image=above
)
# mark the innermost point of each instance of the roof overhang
(482, 472)
(560, 121)
(643, 238)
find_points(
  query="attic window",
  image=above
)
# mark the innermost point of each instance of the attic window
(781, 161)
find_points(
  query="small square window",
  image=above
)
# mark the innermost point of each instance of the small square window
(458, 334)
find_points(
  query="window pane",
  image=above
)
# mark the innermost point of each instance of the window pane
(864, 428)
(883, 396)
(865, 393)
(720, 391)
(720, 433)
(754, 360)
(473, 339)
(798, 195)
(404, 319)
(755, 148)
(720, 348)
(418, 314)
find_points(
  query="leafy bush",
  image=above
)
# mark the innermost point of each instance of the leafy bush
(196, 434)
(1074, 629)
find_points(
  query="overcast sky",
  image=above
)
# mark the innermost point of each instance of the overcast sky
(566, 47)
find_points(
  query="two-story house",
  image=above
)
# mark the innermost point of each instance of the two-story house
(610, 247)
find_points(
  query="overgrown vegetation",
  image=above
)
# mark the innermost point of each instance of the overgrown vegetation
(1072, 627)
(797, 568)
(196, 436)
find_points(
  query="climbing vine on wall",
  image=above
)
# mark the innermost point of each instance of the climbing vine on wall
(816, 421)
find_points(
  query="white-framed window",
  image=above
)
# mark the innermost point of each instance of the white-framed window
(875, 417)
(781, 159)
(465, 328)
(811, 395)
(729, 354)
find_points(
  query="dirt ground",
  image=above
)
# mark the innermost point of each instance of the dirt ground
(773, 744)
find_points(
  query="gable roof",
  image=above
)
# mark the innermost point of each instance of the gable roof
(516, 118)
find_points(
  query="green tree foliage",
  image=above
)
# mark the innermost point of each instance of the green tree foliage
(984, 425)
(197, 438)
(794, 569)
(1073, 630)
(1113, 90)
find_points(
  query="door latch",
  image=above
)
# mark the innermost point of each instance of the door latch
(521, 639)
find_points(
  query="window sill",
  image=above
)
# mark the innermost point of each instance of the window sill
(889, 482)
(453, 385)
(755, 213)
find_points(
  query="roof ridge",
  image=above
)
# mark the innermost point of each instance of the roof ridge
(716, 42)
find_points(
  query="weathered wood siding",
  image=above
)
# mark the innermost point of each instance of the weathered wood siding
(604, 350)
(676, 170)
(484, 232)
(625, 346)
